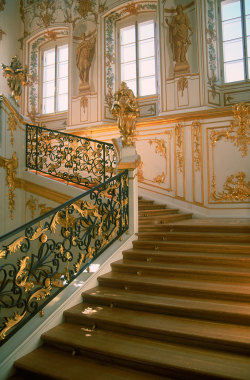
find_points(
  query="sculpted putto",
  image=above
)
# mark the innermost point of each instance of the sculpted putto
(179, 32)
(84, 56)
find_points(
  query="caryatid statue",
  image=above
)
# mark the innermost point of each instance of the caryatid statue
(84, 56)
(125, 108)
(179, 33)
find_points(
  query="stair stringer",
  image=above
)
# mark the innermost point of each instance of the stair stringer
(28, 338)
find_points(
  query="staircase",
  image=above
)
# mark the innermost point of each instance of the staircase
(176, 307)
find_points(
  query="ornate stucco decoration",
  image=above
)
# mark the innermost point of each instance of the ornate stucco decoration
(236, 188)
(160, 178)
(17, 77)
(32, 205)
(238, 132)
(182, 84)
(12, 122)
(84, 56)
(212, 81)
(84, 102)
(125, 109)
(2, 4)
(179, 143)
(196, 144)
(180, 31)
(10, 165)
(160, 148)
(140, 172)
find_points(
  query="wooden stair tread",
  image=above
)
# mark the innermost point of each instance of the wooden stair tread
(55, 364)
(161, 326)
(164, 301)
(212, 255)
(215, 236)
(184, 267)
(149, 353)
(180, 245)
(166, 284)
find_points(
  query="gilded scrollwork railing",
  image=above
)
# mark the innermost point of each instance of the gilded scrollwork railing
(41, 258)
(72, 158)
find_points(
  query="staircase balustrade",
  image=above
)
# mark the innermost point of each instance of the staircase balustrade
(39, 259)
(72, 158)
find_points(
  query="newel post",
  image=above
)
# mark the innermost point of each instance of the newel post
(126, 110)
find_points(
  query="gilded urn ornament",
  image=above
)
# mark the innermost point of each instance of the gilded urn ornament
(125, 108)
(17, 77)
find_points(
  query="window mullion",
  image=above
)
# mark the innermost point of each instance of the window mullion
(55, 91)
(137, 58)
(244, 33)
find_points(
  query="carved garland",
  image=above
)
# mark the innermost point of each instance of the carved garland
(196, 144)
(179, 144)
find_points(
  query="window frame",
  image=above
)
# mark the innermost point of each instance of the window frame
(45, 47)
(244, 46)
(129, 21)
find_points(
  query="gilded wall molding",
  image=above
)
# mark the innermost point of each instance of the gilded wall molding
(12, 123)
(10, 165)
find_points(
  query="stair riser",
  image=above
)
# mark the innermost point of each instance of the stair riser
(181, 274)
(166, 336)
(174, 290)
(208, 315)
(168, 246)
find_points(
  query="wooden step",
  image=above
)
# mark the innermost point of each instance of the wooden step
(191, 246)
(148, 354)
(197, 225)
(152, 213)
(195, 236)
(50, 363)
(149, 223)
(240, 292)
(177, 270)
(229, 337)
(142, 207)
(178, 305)
(198, 258)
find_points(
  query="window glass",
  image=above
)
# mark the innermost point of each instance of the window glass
(55, 80)
(137, 57)
(235, 41)
(234, 71)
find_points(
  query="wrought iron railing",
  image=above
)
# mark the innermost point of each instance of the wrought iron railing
(76, 159)
(44, 256)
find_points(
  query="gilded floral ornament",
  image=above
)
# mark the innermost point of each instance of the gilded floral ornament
(239, 132)
(2, 4)
(179, 143)
(17, 77)
(236, 188)
(196, 144)
(125, 108)
(10, 165)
